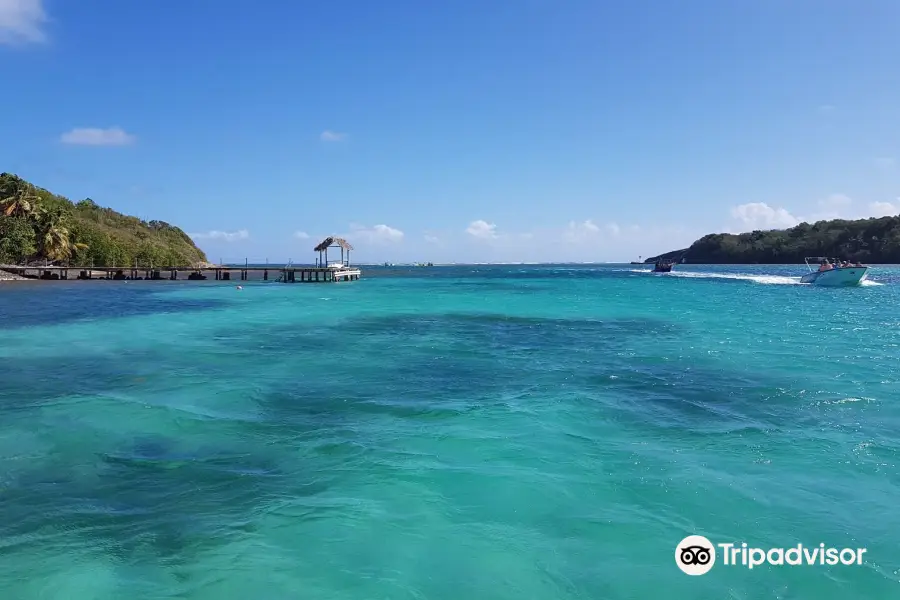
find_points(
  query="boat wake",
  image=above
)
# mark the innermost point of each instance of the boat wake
(762, 279)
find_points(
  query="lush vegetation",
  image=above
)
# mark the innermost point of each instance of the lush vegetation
(36, 225)
(866, 240)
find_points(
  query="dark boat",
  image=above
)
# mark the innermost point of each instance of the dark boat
(663, 266)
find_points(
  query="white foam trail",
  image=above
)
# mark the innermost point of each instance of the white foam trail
(764, 279)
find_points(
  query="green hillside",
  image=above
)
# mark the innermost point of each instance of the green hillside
(36, 224)
(870, 241)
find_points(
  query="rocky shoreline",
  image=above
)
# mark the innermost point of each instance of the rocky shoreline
(7, 276)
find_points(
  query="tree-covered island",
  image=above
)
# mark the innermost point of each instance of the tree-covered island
(37, 225)
(868, 241)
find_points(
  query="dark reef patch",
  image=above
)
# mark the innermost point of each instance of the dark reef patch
(442, 366)
(699, 399)
(489, 326)
(64, 302)
(33, 381)
(445, 366)
(152, 496)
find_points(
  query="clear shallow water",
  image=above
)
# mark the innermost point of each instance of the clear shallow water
(496, 432)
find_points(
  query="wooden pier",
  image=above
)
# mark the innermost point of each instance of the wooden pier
(321, 272)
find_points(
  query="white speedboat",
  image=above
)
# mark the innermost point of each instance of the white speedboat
(835, 276)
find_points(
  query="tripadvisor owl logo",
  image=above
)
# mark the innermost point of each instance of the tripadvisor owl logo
(695, 555)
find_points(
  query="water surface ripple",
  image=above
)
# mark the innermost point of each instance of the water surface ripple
(494, 432)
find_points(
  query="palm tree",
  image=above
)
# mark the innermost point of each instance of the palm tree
(55, 237)
(21, 203)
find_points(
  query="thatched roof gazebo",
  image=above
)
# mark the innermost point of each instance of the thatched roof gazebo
(333, 242)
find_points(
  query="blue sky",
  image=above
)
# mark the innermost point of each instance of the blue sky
(463, 130)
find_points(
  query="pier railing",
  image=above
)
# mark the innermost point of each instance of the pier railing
(210, 263)
(288, 271)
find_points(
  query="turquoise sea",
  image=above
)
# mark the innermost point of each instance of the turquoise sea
(518, 432)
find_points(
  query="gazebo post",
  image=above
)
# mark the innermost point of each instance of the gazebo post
(331, 242)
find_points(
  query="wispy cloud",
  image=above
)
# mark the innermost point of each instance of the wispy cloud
(836, 201)
(94, 136)
(759, 215)
(826, 109)
(224, 236)
(332, 136)
(482, 230)
(377, 234)
(301, 235)
(884, 209)
(580, 240)
(835, 206)
(22, 21)
(579, 232)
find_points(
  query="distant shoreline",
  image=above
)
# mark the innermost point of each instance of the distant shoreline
(604, 263)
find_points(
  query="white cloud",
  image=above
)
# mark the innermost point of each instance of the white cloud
(835, 201)
(22, 21)
(580, 232)
(577, 241)
(94, 136)
(886, 163)
(224, 236)
(884, 209)
(378, 233)
(482, 230)
(827, 109)
(332, 136)
(839, 206)
(301, 235)
(611, 241)
(759, 215)
(835, 206)
(388, 233)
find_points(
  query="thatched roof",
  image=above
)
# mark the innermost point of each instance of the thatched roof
(333, 241)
